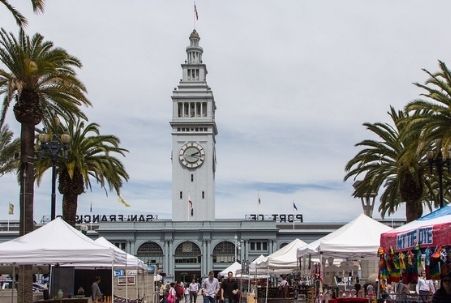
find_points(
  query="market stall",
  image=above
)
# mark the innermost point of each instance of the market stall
(356, 240)
(57, 243)
(420, 244)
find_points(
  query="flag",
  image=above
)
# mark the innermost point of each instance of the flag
(294, 206)
(195, 12)
(190, 206)
(259, 200)
(90, 208)
(120, 199)
(11, 209)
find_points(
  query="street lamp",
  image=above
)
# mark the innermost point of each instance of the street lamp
(53, 146)
(237, 248)
(442, 159)
(367, 199)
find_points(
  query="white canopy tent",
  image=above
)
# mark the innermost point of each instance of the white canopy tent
(132, 261)
(58, 243)
(253, 265)
(283, 260)
(233, 268)
(357, 239)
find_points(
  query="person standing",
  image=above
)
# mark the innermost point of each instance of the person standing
(425, 288)
(229, 289)
(210, 288)
(96, 294)
(193, 291)
(186, 293)
(443, 294)
(283, 287)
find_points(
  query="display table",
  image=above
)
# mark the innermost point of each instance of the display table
(349, 300)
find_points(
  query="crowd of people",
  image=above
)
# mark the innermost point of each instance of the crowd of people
(211, 289)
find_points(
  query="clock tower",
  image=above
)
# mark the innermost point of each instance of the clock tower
(193, 140)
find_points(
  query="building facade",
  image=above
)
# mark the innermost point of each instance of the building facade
(194, 242)
(193, 140)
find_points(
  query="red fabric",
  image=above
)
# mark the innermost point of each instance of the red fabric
(441, 234)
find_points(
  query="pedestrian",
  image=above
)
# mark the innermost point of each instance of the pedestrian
(283, 287)
(186, 293)
(210, 288)
(96, 294)
(443, 294)
(193, 291)
(171, 296)
(179, 291)
(425, 288)
(229, 289)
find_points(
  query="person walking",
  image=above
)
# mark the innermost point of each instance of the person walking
(210, 288)
(425, 288)
(229, 289)
(186, 292)
(96, 294)
(193, 291)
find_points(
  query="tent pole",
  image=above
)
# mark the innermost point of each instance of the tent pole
(13, 282)
(320, 272)
(112, 281)
(267, 286)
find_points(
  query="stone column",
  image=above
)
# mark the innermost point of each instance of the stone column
(203, 265)
(171, 267)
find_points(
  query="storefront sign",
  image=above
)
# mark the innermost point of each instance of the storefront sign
(421, 236)
(132, 272)
(281, 218)
(115, 218)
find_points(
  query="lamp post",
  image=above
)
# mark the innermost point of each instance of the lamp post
(237, 249)
(367, 200)
(53, 146)
(440, 160)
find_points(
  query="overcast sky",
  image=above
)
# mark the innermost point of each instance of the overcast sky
(293, 82)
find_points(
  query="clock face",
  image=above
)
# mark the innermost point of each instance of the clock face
(192, 155)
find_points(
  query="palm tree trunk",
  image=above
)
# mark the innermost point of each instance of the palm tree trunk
(70, 202)
(28, 113)
(25, 285)
(414, 210)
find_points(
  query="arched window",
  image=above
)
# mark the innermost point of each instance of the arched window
(151, 253)
(283, 245)
(224, 252)
(187, 252)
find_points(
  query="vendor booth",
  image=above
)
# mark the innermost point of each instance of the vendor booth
(355, 242)
(281, 262)
(57, 244)
(423, 244)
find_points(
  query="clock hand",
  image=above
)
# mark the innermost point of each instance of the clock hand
(195, 154)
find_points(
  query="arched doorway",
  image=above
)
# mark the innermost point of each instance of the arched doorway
(152, 254)
(223, 255)
(187, 261)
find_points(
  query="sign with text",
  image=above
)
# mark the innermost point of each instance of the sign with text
(119, 272)
(420, 236)
(281, 218)
(79, 219)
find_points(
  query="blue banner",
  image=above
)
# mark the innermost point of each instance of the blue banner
(420, 236)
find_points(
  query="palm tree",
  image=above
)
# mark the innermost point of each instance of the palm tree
(90, 156)
(42, 80)
(432, 122)
(38, 5)
(388, 164)
(433, 115)
(9, 151)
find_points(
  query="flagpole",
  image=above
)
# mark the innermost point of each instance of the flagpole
(90, 210)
